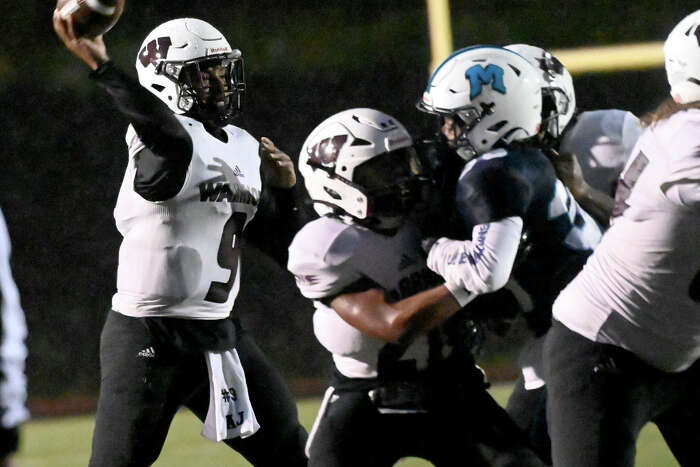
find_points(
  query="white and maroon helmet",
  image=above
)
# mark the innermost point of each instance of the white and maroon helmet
(181, 43)
(361, 163)
(682, 57)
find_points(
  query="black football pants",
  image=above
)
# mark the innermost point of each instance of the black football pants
(477, 433)
(141, 391)
(527, 408)
(600, 396)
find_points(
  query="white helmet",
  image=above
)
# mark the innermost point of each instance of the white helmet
(494, 92)
(184, 42)
(361, 163)
(682, 54)
(559, 102)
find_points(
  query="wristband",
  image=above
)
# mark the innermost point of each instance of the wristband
(462, 295)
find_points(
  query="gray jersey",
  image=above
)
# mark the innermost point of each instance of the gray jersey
(639, 289)
(13, 350)
(327, 256)
(602, 141)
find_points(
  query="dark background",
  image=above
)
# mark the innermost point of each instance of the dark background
(63, 152)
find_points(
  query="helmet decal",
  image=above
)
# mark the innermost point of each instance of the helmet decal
(154, 51)
(478, 75)
(696, 32)
(325, 152)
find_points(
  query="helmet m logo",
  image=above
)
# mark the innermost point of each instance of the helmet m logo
(155, 50)
(478, 76)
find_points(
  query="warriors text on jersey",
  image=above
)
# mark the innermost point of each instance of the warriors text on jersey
(557, 233)
(641, 288)
(179, 257)
(328, 256)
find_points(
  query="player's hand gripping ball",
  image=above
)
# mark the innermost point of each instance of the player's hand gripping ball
(91, 18)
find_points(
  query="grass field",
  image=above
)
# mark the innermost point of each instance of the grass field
(65, 442)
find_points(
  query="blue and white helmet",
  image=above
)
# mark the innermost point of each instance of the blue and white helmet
(494, 92)
(682, 56)
(559, 97)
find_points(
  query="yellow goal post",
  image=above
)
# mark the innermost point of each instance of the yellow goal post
(608, 58)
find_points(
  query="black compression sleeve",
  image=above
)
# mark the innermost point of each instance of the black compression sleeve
(282, 209)
(148, 115)
(162, 166)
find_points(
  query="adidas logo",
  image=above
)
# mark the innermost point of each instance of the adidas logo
(238, 172)
(406, 261)
(149, 352)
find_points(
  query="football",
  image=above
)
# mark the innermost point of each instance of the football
(91, 17)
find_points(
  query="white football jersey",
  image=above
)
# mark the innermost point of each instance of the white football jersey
(179, 257)
(602, 141)
(639, 289)
(327, 255)
(13, 350)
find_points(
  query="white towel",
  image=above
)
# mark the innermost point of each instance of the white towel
(230, 412)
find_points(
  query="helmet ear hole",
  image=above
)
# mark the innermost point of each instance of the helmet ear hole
(332, 193)
(495, 128)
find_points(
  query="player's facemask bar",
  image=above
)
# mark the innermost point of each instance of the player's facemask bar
(393, 182)
(188, 76)
(554, 103)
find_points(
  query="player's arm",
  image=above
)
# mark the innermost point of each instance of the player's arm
(167, 147)
(483, 264)
(398, 322)
(595, 202)
(279, 204)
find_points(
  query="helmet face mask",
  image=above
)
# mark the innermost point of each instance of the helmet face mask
(492, 94)
(360, 164)
(212, 88)
(456, 128)
(178, 62)
(391, 182)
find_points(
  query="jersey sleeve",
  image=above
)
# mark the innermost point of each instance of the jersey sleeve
(133, 142)
(13, 352)
(683, 184)
(320, 258)
(163, 146)
(490, 190)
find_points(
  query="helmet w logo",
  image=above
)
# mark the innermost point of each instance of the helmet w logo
(155, 50)
(478, 76)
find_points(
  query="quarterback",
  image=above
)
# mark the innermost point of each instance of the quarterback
(193, 182)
